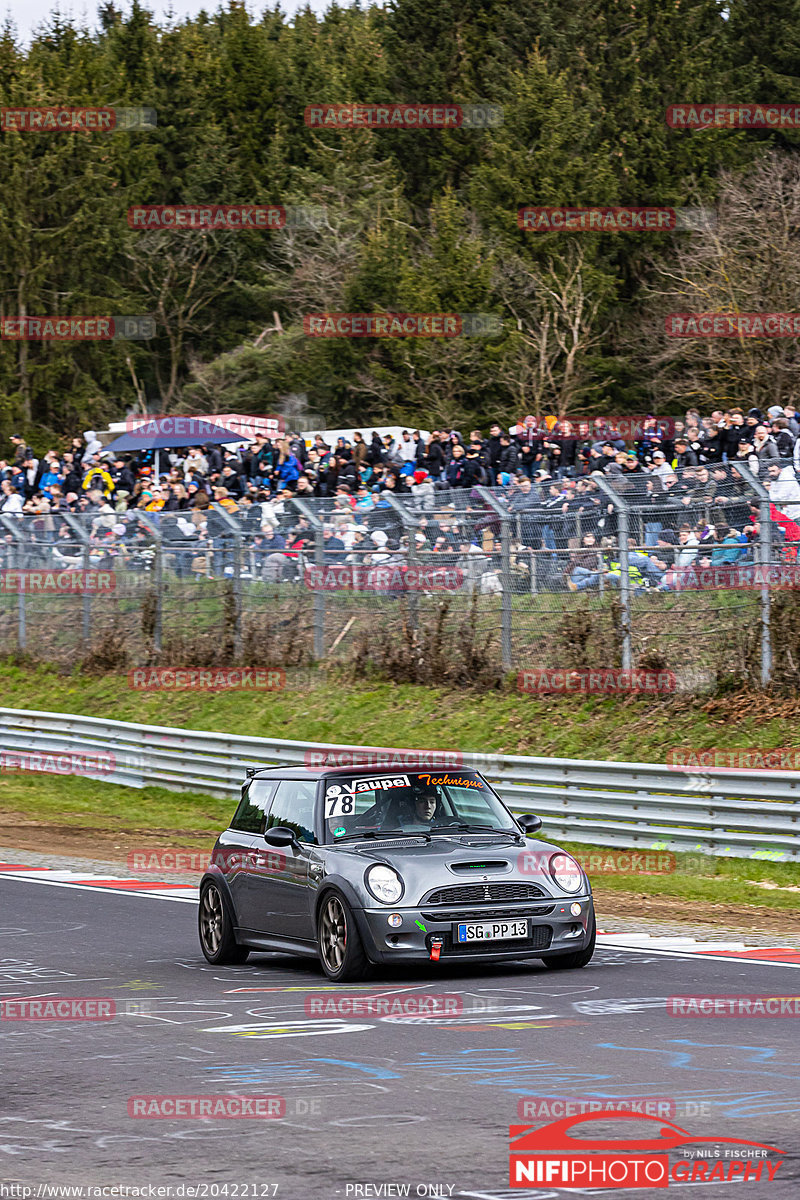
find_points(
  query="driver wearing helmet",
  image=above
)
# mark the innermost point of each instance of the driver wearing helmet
(425, 806)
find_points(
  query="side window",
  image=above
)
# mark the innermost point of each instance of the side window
(294, 806)
(249, 817)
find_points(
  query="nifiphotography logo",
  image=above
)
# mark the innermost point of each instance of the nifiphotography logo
(554, 1155)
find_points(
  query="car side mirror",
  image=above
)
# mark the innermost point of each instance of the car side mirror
(530, 824)
(281, 835)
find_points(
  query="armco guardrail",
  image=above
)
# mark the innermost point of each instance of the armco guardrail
(745, 814)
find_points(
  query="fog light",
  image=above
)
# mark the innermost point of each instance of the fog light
(575, 909)
(395, 920)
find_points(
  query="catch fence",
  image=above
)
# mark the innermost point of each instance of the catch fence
(606, 570)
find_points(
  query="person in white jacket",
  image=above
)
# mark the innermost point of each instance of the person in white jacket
(93, 445)
(686, 552)
(688, 544)
(407, 447)
(10, 499)
(784, 490)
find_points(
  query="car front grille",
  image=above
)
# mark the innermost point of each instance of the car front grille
(540, 939)
(488, 914)
(478, 893)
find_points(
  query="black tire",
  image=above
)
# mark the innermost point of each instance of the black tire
(341, 950)
(215, 927)
(569, 962)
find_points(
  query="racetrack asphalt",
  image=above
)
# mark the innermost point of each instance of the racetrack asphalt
(371, 1103)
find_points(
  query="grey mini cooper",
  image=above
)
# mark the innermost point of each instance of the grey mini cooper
(359, 866)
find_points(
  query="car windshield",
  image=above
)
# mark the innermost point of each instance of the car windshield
(421, 803)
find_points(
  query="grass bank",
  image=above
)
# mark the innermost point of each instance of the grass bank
(317, 706)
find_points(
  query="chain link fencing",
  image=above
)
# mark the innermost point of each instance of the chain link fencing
(692, 573)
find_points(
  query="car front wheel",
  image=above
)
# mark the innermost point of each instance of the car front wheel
(217, 939)
(566, 962)
(341, 950)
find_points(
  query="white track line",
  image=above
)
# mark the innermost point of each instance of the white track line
(84, 882)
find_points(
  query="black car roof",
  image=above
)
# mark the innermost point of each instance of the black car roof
(318, 772)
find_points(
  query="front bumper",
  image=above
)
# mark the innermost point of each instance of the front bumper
(553, 931)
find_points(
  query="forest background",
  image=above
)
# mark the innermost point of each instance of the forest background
(413, 221)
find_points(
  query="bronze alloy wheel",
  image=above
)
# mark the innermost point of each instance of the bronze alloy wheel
(340, 945)
(217, 939)
(333, 934)
(211, 917)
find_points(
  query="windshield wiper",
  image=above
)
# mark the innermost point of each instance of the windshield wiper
(462, 827)
(381, 833)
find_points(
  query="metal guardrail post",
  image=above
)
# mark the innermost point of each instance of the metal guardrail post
(765, 544)
(19, 537)
(158, 574)
(625, 580)
(410, 525)
(81, 531)
(317, 525)
(505, 570)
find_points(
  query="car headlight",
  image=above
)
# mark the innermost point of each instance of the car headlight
(566, 872)
(384, 883)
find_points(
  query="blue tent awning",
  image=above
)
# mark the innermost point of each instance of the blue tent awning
(172, 431)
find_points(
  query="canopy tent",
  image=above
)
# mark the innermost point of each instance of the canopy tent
(248, 427)
(171, 431)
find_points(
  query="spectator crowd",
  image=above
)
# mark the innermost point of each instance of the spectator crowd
(691, 504)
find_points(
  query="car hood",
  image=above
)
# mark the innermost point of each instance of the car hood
(448, 860)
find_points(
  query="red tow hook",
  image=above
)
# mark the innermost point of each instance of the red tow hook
(436, 948)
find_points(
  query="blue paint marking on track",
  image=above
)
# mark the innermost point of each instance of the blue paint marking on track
(683, 1059)
(376, 1072)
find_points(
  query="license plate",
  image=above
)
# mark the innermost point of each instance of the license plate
(492, 931)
